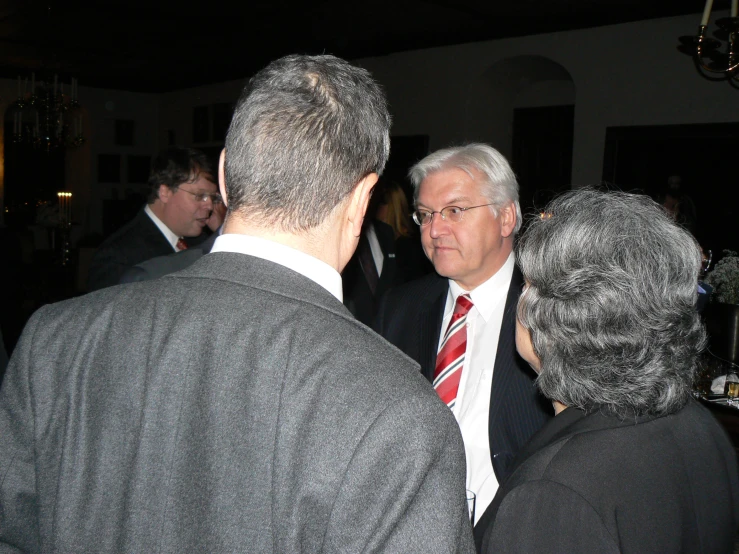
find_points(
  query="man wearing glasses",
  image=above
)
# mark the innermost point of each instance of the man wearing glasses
(460, 324)
(182, 198)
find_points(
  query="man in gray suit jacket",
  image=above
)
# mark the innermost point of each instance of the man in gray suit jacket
(237, 406)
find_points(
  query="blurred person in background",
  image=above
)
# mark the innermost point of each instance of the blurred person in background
(394, 210)
(182, 195)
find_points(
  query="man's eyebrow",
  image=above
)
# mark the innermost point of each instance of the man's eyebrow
(453, 202)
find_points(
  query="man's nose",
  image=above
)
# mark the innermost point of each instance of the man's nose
(438, 225)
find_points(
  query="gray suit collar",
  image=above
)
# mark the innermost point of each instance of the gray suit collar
(254, 272)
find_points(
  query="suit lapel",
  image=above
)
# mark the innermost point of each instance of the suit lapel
(158, 245)
(431, 331)
(504, 357)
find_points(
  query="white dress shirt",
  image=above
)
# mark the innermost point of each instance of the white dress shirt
(472, 408)
(166, 231)
(314, 269)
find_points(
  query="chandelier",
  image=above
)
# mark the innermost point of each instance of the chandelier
(710, 61)
(46, 117)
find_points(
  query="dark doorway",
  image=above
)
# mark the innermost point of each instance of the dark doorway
(404, 152)
(542, 153)
(703, 156)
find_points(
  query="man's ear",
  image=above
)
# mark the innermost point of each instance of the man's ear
(360, 198)
(222, 176)
(507, 218)
(165, 193)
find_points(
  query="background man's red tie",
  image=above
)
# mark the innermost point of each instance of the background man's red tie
(181, 245)
(450, 360)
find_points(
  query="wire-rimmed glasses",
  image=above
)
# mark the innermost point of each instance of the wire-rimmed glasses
(448, 213)
(204, 196)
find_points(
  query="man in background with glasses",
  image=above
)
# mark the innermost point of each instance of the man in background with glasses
(460, 324)
(182, 198)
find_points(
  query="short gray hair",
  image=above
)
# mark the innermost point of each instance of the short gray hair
(305, 131)
(500, 186)
(610, 303)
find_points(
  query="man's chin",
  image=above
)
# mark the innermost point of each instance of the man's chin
(444, 270)
(198, 227)
(444, 266)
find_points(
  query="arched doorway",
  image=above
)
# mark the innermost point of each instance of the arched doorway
(524, 106)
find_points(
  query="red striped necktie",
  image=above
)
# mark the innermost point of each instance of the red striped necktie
(450, 359)
(181, 245)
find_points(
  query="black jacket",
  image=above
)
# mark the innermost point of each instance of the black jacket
(597, 483)
(138, 240)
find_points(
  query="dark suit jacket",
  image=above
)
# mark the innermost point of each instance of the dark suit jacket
(601, 484)
(171, 263)
(410, 317)
(138, 240)
(358, 296)
(235, 406)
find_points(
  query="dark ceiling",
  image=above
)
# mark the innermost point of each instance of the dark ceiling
(162, 45)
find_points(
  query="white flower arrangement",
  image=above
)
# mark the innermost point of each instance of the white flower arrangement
(724, 278)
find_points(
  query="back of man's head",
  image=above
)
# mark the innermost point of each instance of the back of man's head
(305, 131)
(177, 165)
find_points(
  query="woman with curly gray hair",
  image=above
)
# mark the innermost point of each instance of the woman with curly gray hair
(631, 463)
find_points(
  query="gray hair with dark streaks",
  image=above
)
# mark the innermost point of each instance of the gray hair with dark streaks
(610, 303)
(305, 131)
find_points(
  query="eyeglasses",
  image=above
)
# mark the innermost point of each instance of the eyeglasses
(449, 213)
(205, 196)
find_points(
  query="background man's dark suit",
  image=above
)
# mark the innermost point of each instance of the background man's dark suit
(358, 295)
(410, 317)
(138, 419)
(588, 484)
(138, 240)
(164, 265)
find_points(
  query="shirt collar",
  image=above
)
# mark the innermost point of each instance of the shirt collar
(166, 231)
(489, 294)
(314, 269)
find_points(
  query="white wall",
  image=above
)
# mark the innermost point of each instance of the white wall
(630, 74)
(104, 106)
(176, 109)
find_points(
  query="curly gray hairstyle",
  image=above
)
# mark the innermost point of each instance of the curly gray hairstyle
(500, 186)
(610, 303)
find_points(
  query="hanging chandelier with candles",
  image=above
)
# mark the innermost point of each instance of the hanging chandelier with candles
(46, 117)
(711, 61)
